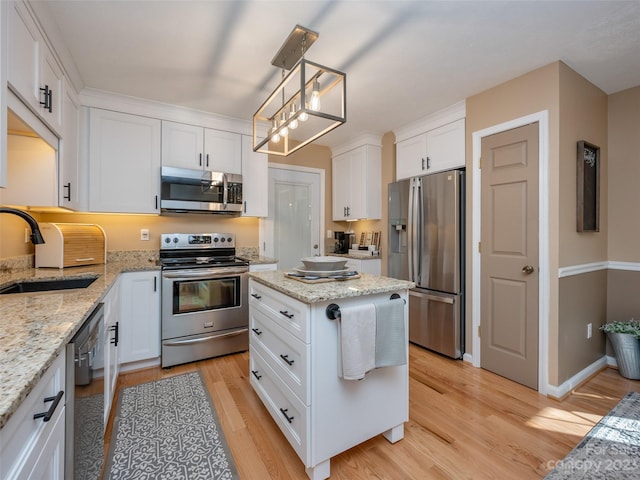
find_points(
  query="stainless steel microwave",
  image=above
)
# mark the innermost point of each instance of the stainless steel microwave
(198, 191)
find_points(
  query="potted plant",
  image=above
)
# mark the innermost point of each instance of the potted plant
(625, 341)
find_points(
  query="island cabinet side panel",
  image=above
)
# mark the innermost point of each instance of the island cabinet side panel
(346, 413)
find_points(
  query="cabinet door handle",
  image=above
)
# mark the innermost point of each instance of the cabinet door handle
(200, 160)
(68, 195)
(422, 163)
(286, 359)
(428, 163)
(256, 331)
(284, 412)
(207, 163)
(286, 313)
(155, 284)
(256, 296)
(47, 104)
(114, 328)
(46, 416)
(255, 374)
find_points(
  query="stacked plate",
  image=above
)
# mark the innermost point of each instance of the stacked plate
(323, 267)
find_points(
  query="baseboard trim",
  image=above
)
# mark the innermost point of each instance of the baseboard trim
(139, 365)
(467, 357)
(578, 379)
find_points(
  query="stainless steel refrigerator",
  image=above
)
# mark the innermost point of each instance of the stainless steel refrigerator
(426, 246)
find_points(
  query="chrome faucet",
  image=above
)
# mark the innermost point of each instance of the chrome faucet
(36, 236)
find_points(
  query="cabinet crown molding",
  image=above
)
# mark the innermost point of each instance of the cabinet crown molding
(435, 120)
(372, 139)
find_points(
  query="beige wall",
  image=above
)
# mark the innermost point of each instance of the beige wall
(624, 172)
(583, 116)
(534, 92)
(577, 111)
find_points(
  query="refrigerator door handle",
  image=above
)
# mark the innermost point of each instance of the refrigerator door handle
(436, 298)
(412, 231)
(420, 222)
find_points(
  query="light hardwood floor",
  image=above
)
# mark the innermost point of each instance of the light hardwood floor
(464, 423)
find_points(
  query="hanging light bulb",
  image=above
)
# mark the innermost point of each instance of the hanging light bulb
(314, 104)
(283, 130)
(304, 116)
(274, 128)
(293, 124)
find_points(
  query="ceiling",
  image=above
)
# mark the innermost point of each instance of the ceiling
(403, 59)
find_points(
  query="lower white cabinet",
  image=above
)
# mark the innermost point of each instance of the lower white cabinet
(140, 323)
(294, 370)
(110, 348)
(32, 441)
(372, 266)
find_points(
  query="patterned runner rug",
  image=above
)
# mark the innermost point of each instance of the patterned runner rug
(168, 429)
(611, 450)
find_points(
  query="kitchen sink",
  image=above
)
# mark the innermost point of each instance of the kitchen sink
(47, 285)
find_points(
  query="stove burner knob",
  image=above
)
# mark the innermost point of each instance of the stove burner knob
(216, 239)
(167, 240)
(175, 240)
(229, 239)
(223, 239)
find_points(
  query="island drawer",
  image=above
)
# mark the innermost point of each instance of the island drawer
(286, 354)
(289, 413)
(290, 314)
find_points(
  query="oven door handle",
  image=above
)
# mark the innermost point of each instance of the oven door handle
(204, 273)
(179, 343)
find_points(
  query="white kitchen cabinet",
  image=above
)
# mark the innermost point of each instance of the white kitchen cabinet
(33, 72)
(112, 313)
(124, 162)
(294, 370)
(3, 98)
(190, 146)
(255, 180)
(70, 193)
(442, 148)
(32, 447)
(372, 266)
(139, 329)
(357, 184)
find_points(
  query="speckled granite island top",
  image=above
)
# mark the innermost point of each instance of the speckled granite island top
(35, 327)
(319, 292)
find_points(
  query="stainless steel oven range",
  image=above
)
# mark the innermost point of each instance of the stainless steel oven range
(205, 309)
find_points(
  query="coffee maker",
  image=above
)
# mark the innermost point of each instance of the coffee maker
(342, 242)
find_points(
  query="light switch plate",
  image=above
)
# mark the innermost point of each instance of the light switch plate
(144, 234)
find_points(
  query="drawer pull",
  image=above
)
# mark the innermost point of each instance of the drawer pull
(256, 331)
(255, 374)
(256, 296)
(46, 416)
(286, 359)
(286, 313)
(284, 412)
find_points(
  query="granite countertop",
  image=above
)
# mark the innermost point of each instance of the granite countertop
(35, 327)
(319, 292)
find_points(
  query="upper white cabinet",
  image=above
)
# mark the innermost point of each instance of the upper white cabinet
(3, 97)
(32, 71)
(432, 144)
(255, 180)
(124, 162)
(189, 146)
(357, 183)
(70, 194)
(442, 148)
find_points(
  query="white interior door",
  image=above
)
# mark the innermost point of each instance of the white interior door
(293, 228)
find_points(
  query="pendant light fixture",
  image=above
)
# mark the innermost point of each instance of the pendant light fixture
(309, 102)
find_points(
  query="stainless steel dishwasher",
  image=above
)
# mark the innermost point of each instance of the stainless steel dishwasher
(85, 407)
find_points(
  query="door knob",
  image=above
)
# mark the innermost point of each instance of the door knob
(528, 269)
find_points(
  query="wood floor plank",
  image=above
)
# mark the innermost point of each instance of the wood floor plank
(464, 423)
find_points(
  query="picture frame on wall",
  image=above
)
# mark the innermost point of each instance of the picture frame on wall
(588, 187)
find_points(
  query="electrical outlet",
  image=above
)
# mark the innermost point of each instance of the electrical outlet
(329, 234)
(144, 234)
(26, 235)
(589, 330)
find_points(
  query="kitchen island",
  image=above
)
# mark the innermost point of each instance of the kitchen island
(296, 364)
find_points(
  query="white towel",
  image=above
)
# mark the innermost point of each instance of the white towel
(357, 341)
(391, 339)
